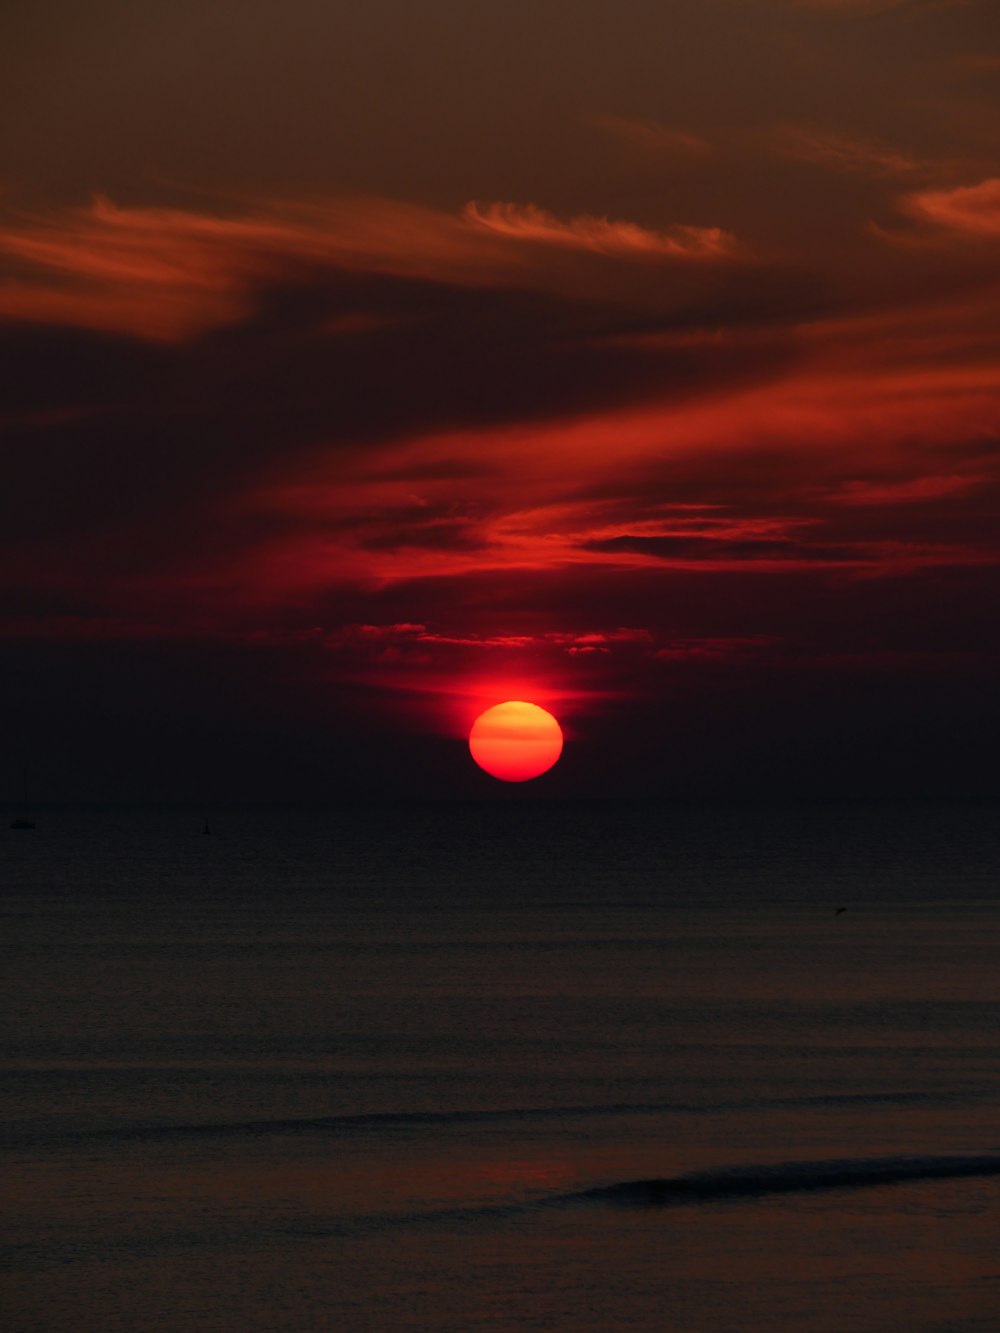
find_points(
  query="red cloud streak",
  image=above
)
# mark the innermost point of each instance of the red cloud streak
(450, 456)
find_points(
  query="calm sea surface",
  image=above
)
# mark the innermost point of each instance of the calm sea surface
(523, 1066)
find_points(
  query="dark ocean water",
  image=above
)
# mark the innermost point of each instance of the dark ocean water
(523, 1066)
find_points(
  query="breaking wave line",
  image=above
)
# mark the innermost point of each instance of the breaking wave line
(755, 1182)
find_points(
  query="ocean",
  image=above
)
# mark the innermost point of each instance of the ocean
(524, 1065)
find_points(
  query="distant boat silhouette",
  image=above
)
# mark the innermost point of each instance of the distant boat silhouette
(206, 829)
(22, 823)
(839, 910)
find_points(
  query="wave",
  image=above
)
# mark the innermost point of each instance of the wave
(403, 1120)
(755, 1182)
(747, 1182)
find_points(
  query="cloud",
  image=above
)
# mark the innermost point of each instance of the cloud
(695, 549)
(169, 274)
(345, 360)
(712, 649)
(395, 416)
(419, 645)
(842, 152)
(912, 490)
(971, 211)
(526, 222)
(884, 557)
(653, 138)
(165, 274)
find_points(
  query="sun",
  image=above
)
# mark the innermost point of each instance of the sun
(515, 741)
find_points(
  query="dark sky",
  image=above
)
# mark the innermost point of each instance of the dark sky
(365, 365)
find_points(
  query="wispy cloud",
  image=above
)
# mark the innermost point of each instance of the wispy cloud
(842, 152)
(972, 210)
(526, 222)
(653, 138)
(170, 274)
(912, 490)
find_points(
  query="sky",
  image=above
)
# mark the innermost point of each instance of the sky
(367, 365)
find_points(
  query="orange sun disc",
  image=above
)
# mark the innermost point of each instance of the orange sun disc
(515, 741)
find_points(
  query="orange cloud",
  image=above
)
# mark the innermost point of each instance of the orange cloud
(842, 152)
(167, 274)
(525, 222)
(972, 210)
(650, 136)
(780, 470)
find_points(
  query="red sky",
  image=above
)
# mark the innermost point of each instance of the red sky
(366, 365)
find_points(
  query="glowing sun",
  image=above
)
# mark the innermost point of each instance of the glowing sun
(515, 740)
